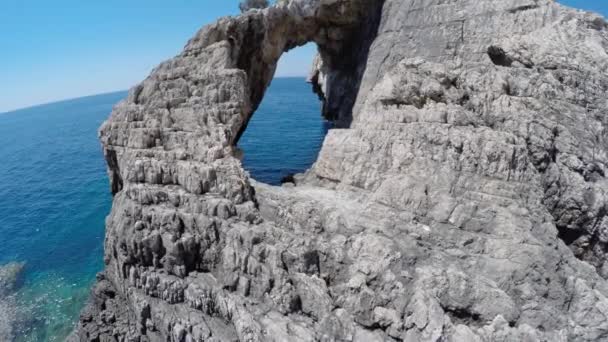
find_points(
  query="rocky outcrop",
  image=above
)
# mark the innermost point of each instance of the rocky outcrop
(463, 198)
(10, 317)
(10, 278)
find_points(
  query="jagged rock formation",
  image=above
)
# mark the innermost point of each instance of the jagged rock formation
(464, 198)
(10, 281)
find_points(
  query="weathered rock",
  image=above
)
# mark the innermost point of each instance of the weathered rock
(463, 199)
(10, 280)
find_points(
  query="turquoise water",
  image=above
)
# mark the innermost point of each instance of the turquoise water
(54, 197)
(54, 193)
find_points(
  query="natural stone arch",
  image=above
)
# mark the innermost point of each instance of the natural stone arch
(342, 30)
(237, 57)
(170, 146)
(429, 218)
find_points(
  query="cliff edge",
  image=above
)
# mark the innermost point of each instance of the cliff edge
(463, 196)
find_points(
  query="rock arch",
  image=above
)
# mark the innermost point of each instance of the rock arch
(218, 81)
(177, 185)
(435, 215)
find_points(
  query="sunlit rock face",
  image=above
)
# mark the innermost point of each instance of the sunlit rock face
(463, 197)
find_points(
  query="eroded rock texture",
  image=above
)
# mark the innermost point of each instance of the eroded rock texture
(11, 318)
(463, 199)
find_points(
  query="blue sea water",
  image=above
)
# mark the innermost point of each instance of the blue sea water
(54, 192)
(286, 132)
(54, 197)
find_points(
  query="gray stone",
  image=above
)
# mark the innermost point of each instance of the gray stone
(10, 315)
(10, 278)
(463, 197)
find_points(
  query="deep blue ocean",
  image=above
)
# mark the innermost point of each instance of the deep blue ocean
(286, 132)
(54, 192)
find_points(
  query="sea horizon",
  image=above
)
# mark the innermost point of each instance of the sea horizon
(66, 100)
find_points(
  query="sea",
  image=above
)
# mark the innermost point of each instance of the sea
(54, 191)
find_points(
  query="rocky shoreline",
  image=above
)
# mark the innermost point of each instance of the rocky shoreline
(462, 196)
(10, 316)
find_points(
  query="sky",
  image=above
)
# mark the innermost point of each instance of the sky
(60, 49)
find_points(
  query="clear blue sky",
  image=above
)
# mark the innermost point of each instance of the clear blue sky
(58, 49)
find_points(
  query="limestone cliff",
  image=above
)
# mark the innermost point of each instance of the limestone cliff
(463, 197)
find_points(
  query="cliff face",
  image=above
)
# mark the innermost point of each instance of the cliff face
(463, 199)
